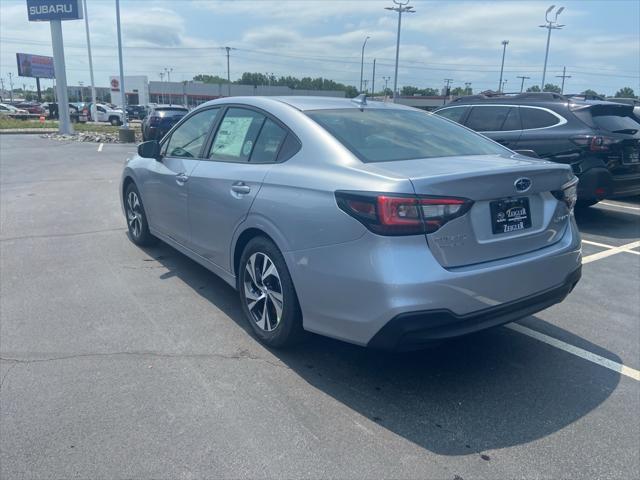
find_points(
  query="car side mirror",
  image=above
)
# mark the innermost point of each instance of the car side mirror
(150, 149)
(527, 153)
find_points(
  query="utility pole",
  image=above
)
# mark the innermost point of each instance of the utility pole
(228, 49)
(401, 6)
(362, 62)
(522, 84)
(93, 85)
(563, 76)
(504, 51)
(551, 25)
(373, 78)
(446, 90)
(11, 86)
(81, 84)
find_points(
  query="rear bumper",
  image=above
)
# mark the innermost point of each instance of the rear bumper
(599, 183)
(412, 330)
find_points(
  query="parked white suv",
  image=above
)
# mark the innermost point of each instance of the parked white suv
(104, 113)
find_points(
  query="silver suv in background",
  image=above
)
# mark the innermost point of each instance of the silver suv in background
(368, 222)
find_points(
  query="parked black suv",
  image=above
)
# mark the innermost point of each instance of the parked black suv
(160, 120)
(599, 139)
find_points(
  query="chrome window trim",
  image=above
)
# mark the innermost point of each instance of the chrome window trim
(561, 119)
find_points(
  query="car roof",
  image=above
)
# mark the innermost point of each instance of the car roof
(307, 103)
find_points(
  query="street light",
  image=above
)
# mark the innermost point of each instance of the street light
(362, 62)
(386, 83)
(168, 72)
(401, 6)
(551, 25)
(504, 51)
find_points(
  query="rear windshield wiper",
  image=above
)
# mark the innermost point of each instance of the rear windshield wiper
(629, 131)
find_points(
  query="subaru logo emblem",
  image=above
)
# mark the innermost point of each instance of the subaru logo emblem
(522, 184)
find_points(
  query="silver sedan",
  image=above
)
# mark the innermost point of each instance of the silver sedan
(365, 221)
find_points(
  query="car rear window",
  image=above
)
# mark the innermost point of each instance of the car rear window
(453, 113)
(487, 118)
(384, 135)
(166, 112)
(537, 118)
(616, 123)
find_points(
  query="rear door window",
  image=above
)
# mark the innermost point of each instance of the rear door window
(453, 113)
(512, 122)
(236, 135)
(269, 143)
(537, 118)
(487, 119)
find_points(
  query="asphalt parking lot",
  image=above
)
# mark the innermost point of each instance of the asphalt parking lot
(118, 362)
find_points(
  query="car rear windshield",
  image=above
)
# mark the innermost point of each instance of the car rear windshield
(615, 123)
(384, 135)
(171, 111)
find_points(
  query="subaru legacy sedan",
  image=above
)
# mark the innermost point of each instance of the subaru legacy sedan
(365, 221)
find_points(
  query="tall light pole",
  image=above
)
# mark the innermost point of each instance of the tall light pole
(161, 87)
(123, 91)
(551, 25)
(504, 51)
(386, 84)
(11, 86)
(362, 62)
(467, 88)
(168, 72)
(504, 83)
(401, 6)
(523, 79)
(93, 85)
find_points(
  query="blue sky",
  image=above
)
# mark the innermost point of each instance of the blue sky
(600, 45)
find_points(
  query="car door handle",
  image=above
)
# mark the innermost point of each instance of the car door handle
(240, 188)
(181, 178)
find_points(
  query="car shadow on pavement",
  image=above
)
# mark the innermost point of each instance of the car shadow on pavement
(618, 224)
(474, 394)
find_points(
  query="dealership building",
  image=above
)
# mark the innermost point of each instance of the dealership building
(141, 91)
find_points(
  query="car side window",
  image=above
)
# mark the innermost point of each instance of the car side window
(454, 113)
(487, 119)
(512, 121)
(236, 135)
(187, 140)
(101, 110)
(537, 118)
(269, 141)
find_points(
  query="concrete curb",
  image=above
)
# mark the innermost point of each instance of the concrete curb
(27, 131)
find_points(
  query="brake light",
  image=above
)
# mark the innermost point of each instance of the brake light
(153, 121)
(568, 193)
(595, 143)
(386, 214)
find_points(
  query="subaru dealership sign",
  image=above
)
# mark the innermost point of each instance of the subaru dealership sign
(47, 10)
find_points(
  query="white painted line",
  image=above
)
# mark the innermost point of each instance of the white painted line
(100, 147)
(579, 352)
(603, 245)
(612, 251)
(619, 206)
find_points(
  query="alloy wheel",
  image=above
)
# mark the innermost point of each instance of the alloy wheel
(134, 214)
(263, 291)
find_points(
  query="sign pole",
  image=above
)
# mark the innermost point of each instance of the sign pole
(38, 87)
(61, 77)
(93, 85)
(123, 92)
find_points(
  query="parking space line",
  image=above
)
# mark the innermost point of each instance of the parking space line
(612, 251)
(579, 352)
(619, 206)
(100, 147)
(596, 244)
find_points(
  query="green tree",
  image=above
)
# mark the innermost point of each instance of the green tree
(409, 91)
(588, 92)
(533, 88)
(458, 92)
(550, 87)
(209, 79)
(626, 92)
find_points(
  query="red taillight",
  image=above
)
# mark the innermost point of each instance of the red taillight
(154, 120)
(401, 214)
(595, 143)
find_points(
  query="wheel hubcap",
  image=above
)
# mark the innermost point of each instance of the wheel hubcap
(134, 214)
(263, 291)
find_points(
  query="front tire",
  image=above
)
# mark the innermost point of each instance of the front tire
(267, 295)
(137, 218)
(115, 121)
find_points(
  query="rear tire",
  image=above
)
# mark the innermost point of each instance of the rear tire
(137, 218)
(115, 121)
(267, 295)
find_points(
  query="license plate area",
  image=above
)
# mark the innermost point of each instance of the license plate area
(631, 156)
(510, 215)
